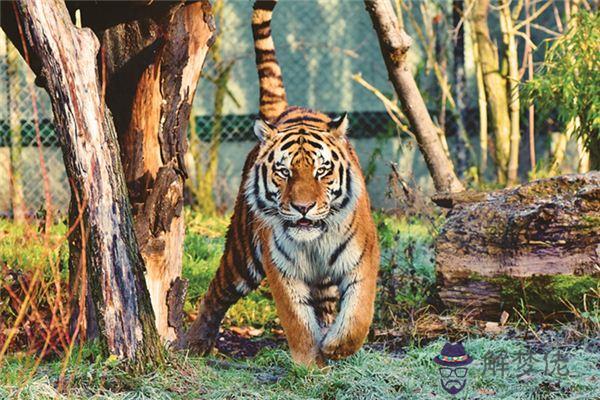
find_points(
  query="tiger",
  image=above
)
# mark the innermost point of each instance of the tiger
(302, 220)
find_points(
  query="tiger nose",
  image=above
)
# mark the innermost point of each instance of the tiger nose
(303, 208)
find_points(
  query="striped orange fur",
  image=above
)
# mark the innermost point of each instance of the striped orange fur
(273, 100)
(302, 219)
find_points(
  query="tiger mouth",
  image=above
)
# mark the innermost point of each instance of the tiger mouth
(304, 223)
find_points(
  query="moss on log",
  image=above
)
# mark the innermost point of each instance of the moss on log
(539, 242)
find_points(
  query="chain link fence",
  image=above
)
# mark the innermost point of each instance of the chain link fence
(31, 164)
(321, 45)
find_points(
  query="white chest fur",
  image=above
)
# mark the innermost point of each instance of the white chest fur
(332, 255)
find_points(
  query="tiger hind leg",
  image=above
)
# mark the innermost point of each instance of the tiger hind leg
(223, 292)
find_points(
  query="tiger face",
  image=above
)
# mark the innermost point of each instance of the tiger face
(302, 179)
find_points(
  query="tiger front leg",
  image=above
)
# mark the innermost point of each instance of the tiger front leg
(297, 316)
(202, 335)
(222, 293)
(325, 297)
(351, 325)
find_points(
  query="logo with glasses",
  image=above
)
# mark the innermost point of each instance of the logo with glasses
(453, 365)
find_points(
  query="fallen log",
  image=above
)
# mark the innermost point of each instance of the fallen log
(493, 246)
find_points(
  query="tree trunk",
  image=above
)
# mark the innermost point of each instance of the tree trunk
(589, 158)
(495, 86)
(67, 57)
(153, 62)
(558, 149)
(17, 200)
(482, 107)
(394, 44)
(531, 109)
(511, 58)
(492, 240)
(460, 81)
(594, 152)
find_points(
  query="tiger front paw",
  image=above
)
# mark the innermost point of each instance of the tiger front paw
(335, 347)
(200, 338)
(201, 347)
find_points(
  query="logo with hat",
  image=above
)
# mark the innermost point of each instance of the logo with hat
(453, 364)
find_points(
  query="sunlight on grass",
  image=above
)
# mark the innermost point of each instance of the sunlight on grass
(23, 247)
(272, 375)
(407, 281)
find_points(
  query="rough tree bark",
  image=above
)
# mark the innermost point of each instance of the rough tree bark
(67, 67)
(153, 61)
(545, 227)
(395, 43)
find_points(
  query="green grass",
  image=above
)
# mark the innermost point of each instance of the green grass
(204, 245)
(272, 375)
(407, 284)
(22, 246)
(407, 273)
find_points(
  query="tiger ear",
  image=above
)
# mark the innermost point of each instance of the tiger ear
(339, 125)
(264, 130)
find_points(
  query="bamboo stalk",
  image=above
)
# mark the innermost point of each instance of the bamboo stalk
(208, 168)
(531, 110)
(511, 57)
(482, 106)
(559, 148)
(495, 87)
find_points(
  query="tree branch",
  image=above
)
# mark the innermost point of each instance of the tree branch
(394, 44)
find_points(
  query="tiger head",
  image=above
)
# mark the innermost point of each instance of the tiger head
(304, 178)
